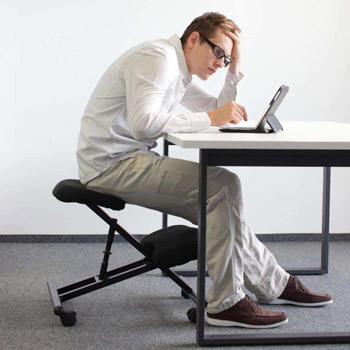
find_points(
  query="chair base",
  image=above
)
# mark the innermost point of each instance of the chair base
(106, 278)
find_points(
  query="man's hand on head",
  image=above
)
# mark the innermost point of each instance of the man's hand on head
(236, 51)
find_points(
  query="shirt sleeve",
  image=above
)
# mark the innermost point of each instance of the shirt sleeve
(198, 99)
(146, 81)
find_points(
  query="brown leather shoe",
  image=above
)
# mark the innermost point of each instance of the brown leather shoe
(296, 293)
(247, 313)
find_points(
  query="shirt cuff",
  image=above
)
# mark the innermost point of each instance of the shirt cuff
(200, 121)
(233, 79)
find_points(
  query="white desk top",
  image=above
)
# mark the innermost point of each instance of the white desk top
(295, 135)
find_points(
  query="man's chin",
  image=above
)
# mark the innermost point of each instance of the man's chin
(203, 76)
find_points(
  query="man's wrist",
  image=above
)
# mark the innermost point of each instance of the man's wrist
(212, 117)
(234, 69)
(234, 66)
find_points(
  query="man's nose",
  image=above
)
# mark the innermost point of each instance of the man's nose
(219, 62)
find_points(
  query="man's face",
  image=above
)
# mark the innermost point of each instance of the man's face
(203, 61)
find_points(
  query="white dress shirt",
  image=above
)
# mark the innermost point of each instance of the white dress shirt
(132, 105)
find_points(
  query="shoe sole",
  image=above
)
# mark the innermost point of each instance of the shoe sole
(290, 302)
(226, 323)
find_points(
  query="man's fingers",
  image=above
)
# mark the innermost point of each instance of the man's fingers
(234, 111)
(245, 117)
(237, 116)
(235, 120)
(240, 107)
(238, 113)
(234, 36)
(239, 110)
(243, 112)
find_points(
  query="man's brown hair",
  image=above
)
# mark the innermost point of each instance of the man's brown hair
(208, 24)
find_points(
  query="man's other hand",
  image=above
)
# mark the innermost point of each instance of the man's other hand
(230, 112)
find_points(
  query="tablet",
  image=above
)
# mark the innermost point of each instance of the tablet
(268, 123)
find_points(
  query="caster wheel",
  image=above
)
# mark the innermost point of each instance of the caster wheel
(192, 315)
(58, 310)
(68, 318)
(184, 294)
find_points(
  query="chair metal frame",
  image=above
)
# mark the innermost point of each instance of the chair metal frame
(106, 278)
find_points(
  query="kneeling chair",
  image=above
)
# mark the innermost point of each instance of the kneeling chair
(162, 249)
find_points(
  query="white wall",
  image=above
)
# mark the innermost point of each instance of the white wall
(54, 52)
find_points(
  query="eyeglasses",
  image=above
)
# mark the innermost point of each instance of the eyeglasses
(218, 51)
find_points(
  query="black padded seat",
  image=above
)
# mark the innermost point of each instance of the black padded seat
(172, 246)
(74, 191)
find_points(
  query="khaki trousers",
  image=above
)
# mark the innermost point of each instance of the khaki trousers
(234, 256)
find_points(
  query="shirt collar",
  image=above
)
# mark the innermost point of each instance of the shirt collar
(176, 42)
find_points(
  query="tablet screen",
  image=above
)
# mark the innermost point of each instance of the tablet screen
(274, 104)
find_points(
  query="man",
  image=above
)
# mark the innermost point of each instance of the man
(131, 107)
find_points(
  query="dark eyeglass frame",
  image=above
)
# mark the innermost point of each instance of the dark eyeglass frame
(227, 59)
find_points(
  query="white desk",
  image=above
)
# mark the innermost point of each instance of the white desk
(309, 135)
(321, 144)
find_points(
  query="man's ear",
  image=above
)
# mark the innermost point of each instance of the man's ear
(192, 39)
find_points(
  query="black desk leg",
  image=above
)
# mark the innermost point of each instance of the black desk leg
(166, 153)
(325, 218)
(323, 269)
(202, 223)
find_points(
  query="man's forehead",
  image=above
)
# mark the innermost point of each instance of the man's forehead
(223, 40)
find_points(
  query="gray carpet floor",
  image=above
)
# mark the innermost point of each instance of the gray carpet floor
(146, 312)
